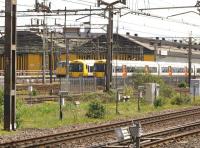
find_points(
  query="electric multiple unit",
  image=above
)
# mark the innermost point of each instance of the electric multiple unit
(121, 68)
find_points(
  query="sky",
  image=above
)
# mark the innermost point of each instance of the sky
(180, 26)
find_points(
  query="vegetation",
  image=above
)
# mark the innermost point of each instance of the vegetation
(97, 107)
(179, 100)
(34, 93)
(159, 102)
(182, 84)
(140, 78)
(166, 91)
(96, 110)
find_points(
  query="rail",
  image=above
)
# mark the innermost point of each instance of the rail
(60, 138)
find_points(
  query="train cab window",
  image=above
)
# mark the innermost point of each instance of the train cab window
(74, 67)
(99, 67)
(61, 64)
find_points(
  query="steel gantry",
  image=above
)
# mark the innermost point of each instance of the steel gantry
(110, 9)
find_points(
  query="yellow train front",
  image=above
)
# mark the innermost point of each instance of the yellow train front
(80, 68)
(99, 68)
(61, 69)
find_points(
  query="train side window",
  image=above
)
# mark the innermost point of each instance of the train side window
(164, 69)
(119, 69)
(198, 70)
(153, 69)
(178, 70)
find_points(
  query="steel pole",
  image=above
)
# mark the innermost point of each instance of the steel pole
(10, 65)
(189, 61)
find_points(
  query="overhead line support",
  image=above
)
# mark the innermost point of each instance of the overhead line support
(110, 9)
(10, 66)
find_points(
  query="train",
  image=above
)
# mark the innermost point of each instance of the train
(77, 68)
(122, 68)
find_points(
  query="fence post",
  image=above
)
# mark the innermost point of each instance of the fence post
(80, 85)
(95, 84)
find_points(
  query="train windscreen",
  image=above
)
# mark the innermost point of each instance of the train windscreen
(61, 64)
(99, 67)
(76, 67)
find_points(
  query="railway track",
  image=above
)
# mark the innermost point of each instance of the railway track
(157, 138)
(172, 134)
(62, 138)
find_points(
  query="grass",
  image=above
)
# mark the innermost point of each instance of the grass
(46, 115)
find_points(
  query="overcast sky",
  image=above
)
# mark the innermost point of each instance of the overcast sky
(179, 26)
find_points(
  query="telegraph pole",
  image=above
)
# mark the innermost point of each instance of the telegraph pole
(51, 59)
(110, 48)
(41, 7)
(189, 61)
(110, 9)
(10, 66)
(44, 48)
(66, 45)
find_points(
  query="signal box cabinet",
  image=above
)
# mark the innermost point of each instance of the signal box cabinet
(195, 87)
(151, 92)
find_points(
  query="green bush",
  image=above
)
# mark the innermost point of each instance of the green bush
(34, 93)
(166, 91)
(159, 102)
(139, 79)
(96, 110)
(182, 84)
(179, 100)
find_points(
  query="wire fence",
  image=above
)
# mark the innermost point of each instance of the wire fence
(78, 85)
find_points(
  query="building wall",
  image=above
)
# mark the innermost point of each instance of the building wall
(149, 58)
(34, 62)
(71, 57)
(177, 59)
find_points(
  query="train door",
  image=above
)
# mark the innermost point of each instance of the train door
(124, 71)
(186, 71)
(170, 70)
(146, 69)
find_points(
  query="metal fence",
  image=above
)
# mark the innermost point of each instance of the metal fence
(121, 82)
(78, 85)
